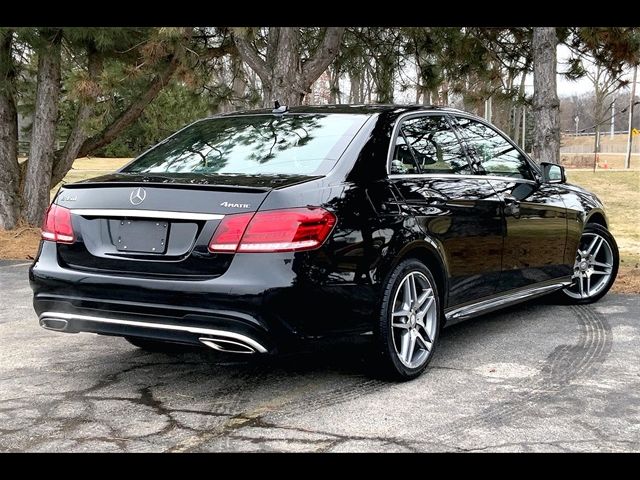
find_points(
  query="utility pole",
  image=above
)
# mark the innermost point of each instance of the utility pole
(524, 127)
(487, 109)
(596, 149)
(577, 120)
(613, 117)
(627, 160)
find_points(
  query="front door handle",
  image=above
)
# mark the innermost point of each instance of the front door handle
(511, 206)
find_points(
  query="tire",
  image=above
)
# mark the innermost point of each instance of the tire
(594, 286)
(158, 346)
(394, 359)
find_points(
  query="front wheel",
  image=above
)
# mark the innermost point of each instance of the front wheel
(595, 267)
(409, 322)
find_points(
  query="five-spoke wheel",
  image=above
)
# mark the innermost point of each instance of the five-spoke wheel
(414, 319)
(409, 320)
(595, 267)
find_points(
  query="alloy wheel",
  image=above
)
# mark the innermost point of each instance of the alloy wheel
(414, 319)
(593, 266)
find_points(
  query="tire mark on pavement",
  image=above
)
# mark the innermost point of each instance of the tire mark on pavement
(564, 365)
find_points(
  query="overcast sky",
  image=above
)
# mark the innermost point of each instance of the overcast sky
(568, 87)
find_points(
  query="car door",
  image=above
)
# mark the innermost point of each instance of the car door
(458, 210)
(535, 217)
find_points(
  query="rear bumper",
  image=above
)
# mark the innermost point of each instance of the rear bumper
(265, 301)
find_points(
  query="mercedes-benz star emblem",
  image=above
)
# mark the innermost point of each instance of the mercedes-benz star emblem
(137, 196)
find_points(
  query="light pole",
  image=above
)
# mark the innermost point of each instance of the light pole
(627, 160)
(577, 120)
(613, 117)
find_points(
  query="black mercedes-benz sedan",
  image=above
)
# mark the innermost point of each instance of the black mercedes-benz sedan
(253, 232)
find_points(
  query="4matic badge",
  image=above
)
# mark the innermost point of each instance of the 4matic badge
(235, 205)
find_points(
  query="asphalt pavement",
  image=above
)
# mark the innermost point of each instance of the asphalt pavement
(537, 377)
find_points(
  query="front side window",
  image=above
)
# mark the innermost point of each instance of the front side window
(494, 153)
(291, 144)
(434, 145)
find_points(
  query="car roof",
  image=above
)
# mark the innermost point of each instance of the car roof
(372, 109)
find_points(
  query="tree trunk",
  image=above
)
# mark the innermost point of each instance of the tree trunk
(283, 75)
(79, 132)
(9, 169)
(518, 111)
(546, 107)
(426, 95)
(354, 91)
(334, 86)
(598, 116)
(35, 195)
(239, 83)
(384, 73)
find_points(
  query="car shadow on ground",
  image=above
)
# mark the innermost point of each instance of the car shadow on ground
(346, 358)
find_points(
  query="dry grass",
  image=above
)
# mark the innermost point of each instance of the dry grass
(628, 280)
(620, 193)
(21, 243)
(619, 190)
(89, 167)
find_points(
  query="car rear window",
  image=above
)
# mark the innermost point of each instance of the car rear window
(302, 144)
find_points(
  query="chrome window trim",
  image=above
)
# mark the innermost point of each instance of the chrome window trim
(127, 212)
(420, 113)
(532, 165)
(454, 175)
(453, 113)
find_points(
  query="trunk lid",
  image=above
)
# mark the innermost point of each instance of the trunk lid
(158, 225)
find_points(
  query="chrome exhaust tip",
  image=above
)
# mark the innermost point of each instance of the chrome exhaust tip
(227, 346)
(57, 324)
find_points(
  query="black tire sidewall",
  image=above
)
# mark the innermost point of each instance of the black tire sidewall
(602, 231)
(391, 365)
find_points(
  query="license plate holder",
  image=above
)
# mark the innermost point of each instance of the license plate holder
(141, 236)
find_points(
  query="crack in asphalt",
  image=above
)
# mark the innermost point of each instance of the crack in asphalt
(231, 399)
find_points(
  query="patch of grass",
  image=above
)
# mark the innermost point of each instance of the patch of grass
(620, 193)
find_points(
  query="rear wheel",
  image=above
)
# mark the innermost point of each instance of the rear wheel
(595, 267)
(158, 346)
(409, 322)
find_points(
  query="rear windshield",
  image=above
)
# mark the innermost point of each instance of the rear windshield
(308, 144)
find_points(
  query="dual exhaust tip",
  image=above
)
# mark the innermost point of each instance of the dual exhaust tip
(57, 324)
(228, 342)
(228, 346)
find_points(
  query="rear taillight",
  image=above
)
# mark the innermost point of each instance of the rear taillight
(287, 230)
(57, 225)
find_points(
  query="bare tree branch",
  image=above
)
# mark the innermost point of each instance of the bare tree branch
(250, 56)
(132, 113)
(324, 55)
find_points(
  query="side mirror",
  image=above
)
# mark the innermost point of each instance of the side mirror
(553, 173)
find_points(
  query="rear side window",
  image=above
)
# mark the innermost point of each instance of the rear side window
(433, 145)
(308, 144)
(495, 154)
